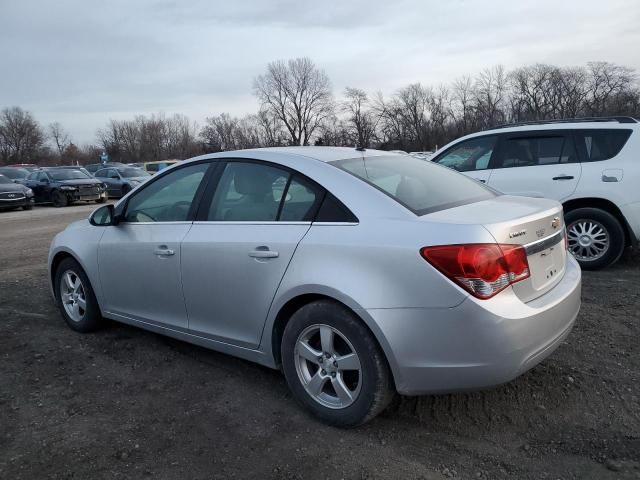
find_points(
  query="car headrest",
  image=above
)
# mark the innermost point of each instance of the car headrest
(253, 181)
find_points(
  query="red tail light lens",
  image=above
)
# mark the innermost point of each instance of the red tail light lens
(483, 269)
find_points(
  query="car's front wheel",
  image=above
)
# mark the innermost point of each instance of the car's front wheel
(59, 199)
(75, 297)
(595, 237)
(334, 366)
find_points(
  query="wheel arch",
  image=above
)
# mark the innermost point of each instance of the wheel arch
(57, 259)
(294, 303)
(609, 207)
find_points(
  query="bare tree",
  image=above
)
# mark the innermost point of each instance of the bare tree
(360, 121)
(21, 138)
(59, 136)
(299, 94)
(491, 89)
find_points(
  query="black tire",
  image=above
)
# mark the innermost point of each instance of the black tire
(59, 199)
(376, 387)
(92, 319)
(614, 231)
(101, 200)
(27, 207)
(125, 189)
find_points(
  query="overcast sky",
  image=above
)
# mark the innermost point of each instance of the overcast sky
(82, 62)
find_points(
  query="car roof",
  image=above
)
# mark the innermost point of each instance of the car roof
(322, 154)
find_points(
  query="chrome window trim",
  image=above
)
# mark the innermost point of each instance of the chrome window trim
(541, 245)
(181, 222)
(227, 222)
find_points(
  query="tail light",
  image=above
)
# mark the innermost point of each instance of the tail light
(483, 269)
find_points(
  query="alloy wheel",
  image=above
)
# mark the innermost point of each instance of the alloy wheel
(73, 296)
(328, 366)
(588, 240)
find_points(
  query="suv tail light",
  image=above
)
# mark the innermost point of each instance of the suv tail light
(482, 269)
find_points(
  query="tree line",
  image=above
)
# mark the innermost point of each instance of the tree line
(298, 107)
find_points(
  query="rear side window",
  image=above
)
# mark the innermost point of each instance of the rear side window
(533, 151)
(419, 185)
(601, 144)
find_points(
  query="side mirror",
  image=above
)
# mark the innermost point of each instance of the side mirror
(104, 217)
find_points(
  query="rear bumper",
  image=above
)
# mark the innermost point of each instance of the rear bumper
(631, 212)
(479, 343)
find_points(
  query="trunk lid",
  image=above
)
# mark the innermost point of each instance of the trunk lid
(535, 223)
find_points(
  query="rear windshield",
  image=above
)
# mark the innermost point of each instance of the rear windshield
(419, 185)
(602, 144)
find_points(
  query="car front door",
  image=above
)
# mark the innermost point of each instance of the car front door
(238, 249)
(41, 187)
(536, 164)
(471, 157)
(139, 259)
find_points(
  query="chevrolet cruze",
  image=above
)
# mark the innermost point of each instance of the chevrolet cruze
(358, 273)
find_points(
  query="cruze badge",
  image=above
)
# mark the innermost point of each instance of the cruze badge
(519, 233)
(555, 223)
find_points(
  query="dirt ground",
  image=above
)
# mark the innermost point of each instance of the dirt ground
(124, 403)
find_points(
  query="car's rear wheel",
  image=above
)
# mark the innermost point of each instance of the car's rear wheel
(59, 199)
(595, 237)
(334, 366)
(75, 297)
(125, 189)
(27, 207)
(101, 200)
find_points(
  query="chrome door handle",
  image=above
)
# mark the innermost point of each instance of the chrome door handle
(263, 253)
(164, 252)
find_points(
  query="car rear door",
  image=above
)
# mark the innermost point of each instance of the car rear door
(240, 246)
(540, 164)
(139, 259)
(471, 157)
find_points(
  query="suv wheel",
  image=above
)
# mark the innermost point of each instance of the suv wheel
(596, 238)
(334, 366)
(75, 297)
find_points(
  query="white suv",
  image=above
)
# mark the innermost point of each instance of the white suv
(591, 166)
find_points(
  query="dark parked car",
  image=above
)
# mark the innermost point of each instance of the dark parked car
(14, 195)
(15, 174)
(94, 167)
(63, 186)
(121, 180)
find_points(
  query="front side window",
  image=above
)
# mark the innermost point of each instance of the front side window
(130, 172)
(419, 185)
(102, 173)
(169, 198)
(473, 154)
(601, 144)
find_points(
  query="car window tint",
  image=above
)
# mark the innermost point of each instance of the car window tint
(101, 173)
(299, 201)
(169, 198)
(473, 154)
(527, 152)
(248, 192)
(602, 144)
(417, 184)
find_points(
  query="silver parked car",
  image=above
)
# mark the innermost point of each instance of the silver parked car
(359, 273)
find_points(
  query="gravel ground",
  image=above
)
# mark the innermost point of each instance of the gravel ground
(124, 403)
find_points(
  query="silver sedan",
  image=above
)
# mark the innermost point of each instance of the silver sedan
(358, 273)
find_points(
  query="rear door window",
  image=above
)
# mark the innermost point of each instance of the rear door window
(534, 151)
(601, 144)
(419, 185)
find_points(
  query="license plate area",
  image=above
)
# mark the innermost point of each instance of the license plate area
(547, 266)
